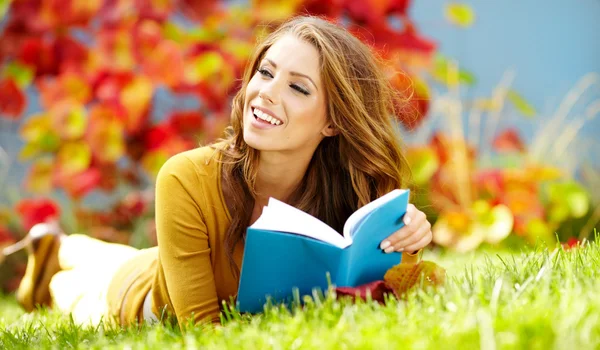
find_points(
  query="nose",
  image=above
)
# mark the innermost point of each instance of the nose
(269, 92)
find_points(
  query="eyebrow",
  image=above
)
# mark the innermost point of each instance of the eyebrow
(294, 73)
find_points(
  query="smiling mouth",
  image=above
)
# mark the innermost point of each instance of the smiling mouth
(260, 115)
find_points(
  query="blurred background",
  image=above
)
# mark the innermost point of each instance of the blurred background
(501, 128)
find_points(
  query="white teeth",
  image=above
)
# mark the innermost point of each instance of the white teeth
(264, 116)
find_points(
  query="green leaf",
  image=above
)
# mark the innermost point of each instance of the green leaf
(572, 195)
(4, 6)
(461, 15)
(203, 66)
(521, 104)
(423, 162)
(173, 32)
(74, 157)
(20, 73)
(441, 69)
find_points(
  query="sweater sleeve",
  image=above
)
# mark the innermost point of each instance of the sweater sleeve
(183, 242)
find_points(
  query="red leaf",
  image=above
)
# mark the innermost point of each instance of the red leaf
(490, 182)
(189, 122)
(366, 11)
(14, 35)
(508, 141)
(146, 35)
(39, 53)
(69, 52)
(6, 236)
(376, 289)
(399, 7)
(80, 184)
(156, 10)
(158, 136)
(12, 99)
(571, 243)
(35, 211)
(331, 9)
(198, 10)
(108, 85)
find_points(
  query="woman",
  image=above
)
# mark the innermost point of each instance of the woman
(312, 125)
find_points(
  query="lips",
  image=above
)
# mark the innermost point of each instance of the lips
(266, 115)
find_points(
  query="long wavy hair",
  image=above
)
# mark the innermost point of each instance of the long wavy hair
(361, 163)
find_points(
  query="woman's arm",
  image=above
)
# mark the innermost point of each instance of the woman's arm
(183, 245)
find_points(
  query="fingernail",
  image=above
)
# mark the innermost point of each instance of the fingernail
(385, 244)
(389, 249)
(406, 220)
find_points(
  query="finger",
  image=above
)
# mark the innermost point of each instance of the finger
(419, 222)
(420, 244)
(396, 236)
(409, 216)
(406, 231)
(413, 239)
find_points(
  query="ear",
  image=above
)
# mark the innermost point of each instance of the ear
(329, 131)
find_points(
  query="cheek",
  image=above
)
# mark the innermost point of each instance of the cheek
(250, 88)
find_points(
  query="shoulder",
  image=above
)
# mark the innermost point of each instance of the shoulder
(199, 161)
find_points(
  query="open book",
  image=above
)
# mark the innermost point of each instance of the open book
(287, 248)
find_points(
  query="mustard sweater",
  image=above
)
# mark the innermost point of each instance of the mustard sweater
(189, 274)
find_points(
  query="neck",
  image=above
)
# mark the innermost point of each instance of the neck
(279, 175)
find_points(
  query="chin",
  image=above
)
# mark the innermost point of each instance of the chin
(257, 142)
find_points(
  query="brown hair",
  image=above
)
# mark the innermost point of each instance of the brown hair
(361, 163)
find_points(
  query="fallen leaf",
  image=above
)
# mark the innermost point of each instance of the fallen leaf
(376, 290)
(403, 277)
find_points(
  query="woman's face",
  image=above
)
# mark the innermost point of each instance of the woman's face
(284, 106)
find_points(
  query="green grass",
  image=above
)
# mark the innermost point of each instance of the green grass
(539, 299)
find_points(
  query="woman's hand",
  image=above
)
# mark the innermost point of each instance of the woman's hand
(415, 235)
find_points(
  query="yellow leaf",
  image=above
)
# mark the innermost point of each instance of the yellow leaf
(521, 103)
(69, 119)
(423, 162)
(461, 15)
(274, 10)
(136, 97)
(74, 157)
(39, 178)
(403, 277)
(202, 67)
(29, 151)
(107, 141)
(239, 49)
(20, 73)
(36, 127)
(122, 57)
(76, 87)
(153, 161)
(501, 224)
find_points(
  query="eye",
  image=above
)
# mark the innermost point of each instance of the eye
(300, 90)
(265, 72)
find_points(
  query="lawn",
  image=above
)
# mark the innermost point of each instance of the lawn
(538, 299)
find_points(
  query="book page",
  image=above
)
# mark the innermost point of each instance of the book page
(281, 217)
(360, 214)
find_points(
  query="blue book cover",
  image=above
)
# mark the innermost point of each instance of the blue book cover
(287, 248)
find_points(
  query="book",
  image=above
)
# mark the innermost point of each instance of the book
(288, 249)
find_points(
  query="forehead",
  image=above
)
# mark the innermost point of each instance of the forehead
(293, 54)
